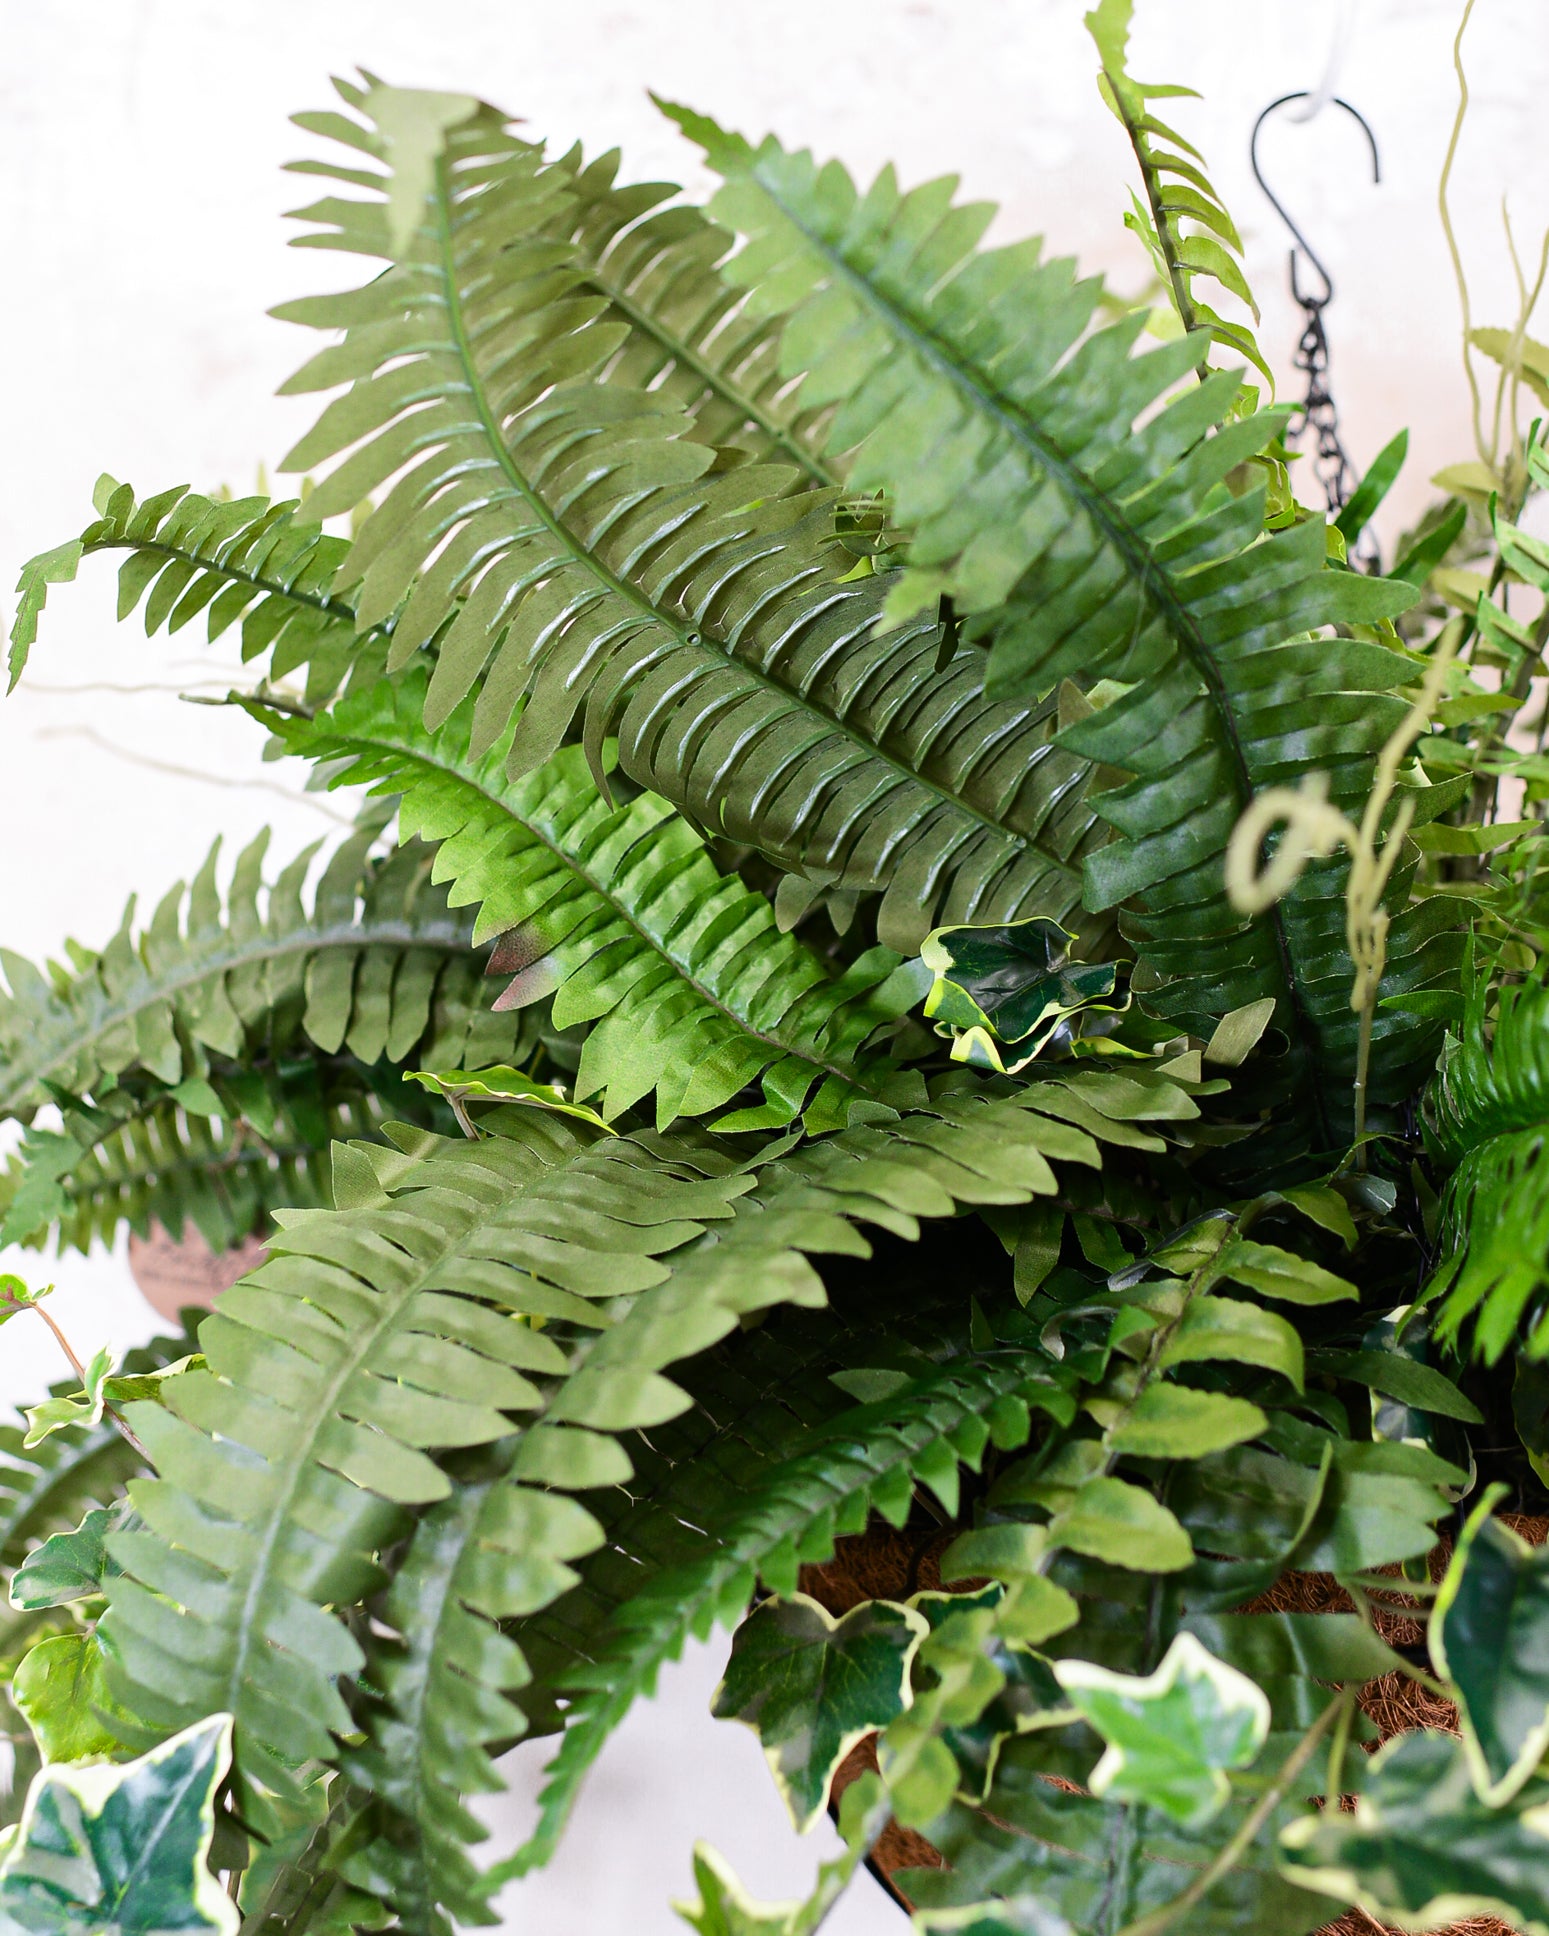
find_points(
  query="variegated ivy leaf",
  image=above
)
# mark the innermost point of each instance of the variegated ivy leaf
(83, 1408)
(103, 1387)
(16, 1296)
(70, 1566)
(107, 1850)
(1490, 1636)
(811, 1686)
(1173, 1733)
(1011, 985)
(1423, 1849)
(726, 1909)
(500, 1084)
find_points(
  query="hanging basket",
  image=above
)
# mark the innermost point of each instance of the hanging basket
(174, 1273)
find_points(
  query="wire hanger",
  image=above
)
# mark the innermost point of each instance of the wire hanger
(1331, 463)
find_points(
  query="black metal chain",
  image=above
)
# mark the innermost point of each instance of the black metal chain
(1330, 461)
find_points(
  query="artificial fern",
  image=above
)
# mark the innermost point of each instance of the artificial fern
(813, 665)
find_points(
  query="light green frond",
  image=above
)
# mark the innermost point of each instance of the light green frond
(970, 387)
(241, 560)
(253, 1140)
(562, 537)
(1184, 224)
(376, 964)
(621, 917)
(381, 1332)
(1488, 1109)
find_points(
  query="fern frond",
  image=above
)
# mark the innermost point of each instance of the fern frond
(1183, 224)
(658, 269)
(143, 1155)
(244, 559)
(761, 1518)
(620, 915)
(1488, 1112)
(969, 388)
(377, 1335)
(377, 964)
(440, 1670)
(568, 540)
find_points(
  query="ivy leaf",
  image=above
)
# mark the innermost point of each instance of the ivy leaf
(16, 1296)
(1215, 1328)
(726, 1909)
(811, 1687)
(1007, 985)
(1422, 1848)
(1173, 1733)
(61, 1687)
(70, 1566)
(109, 1850)
(501, 1084)
(1015, 1916)
(83, 1408)
(1490, 1637)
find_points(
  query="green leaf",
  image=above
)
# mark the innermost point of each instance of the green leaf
(1171, 1734)
(69, 1566)
(1396, 1375)
(16, 1296)
(62, 1689)
(122, 1851)
(660, 605)
(502, 1084)
(1489, 1635)
(1174, 1422)
(1012, 1916)
(811, 1686)
(1109, 1519)
(1422, 1848)
(726, 1909)
(1013, 982)
(82, 1408)
(1277, 1273)
(1519, 355)
(1373, 488)
(1224, 1328)
(414, 124)
(1237, 1033)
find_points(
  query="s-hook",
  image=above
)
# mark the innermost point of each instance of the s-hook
(1331, 463)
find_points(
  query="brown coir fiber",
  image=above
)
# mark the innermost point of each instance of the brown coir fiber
(881, 1564)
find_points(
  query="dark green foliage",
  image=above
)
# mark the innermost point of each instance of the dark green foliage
(750, 616)
(377, 964)
(654, 579)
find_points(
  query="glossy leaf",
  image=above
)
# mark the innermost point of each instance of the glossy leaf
(62, 1689)
(1422, 1848)
(69, 1566)
(1009, 983)
(106, 1850)
(1171, 1734)
(811, 1686)
(1489, 1636)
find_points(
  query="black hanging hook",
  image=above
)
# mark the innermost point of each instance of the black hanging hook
(1302, 94)
(1332, 462)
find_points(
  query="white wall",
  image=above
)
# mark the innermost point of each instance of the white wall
(139, 149)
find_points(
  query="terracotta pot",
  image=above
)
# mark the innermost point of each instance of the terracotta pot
(881, 1564)
(173, 1272)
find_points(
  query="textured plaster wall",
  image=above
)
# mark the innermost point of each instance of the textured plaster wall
(140, 195)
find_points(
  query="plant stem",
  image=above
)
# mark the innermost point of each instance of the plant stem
(79, 1369)
(64, 1343)
(1258, 1815)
